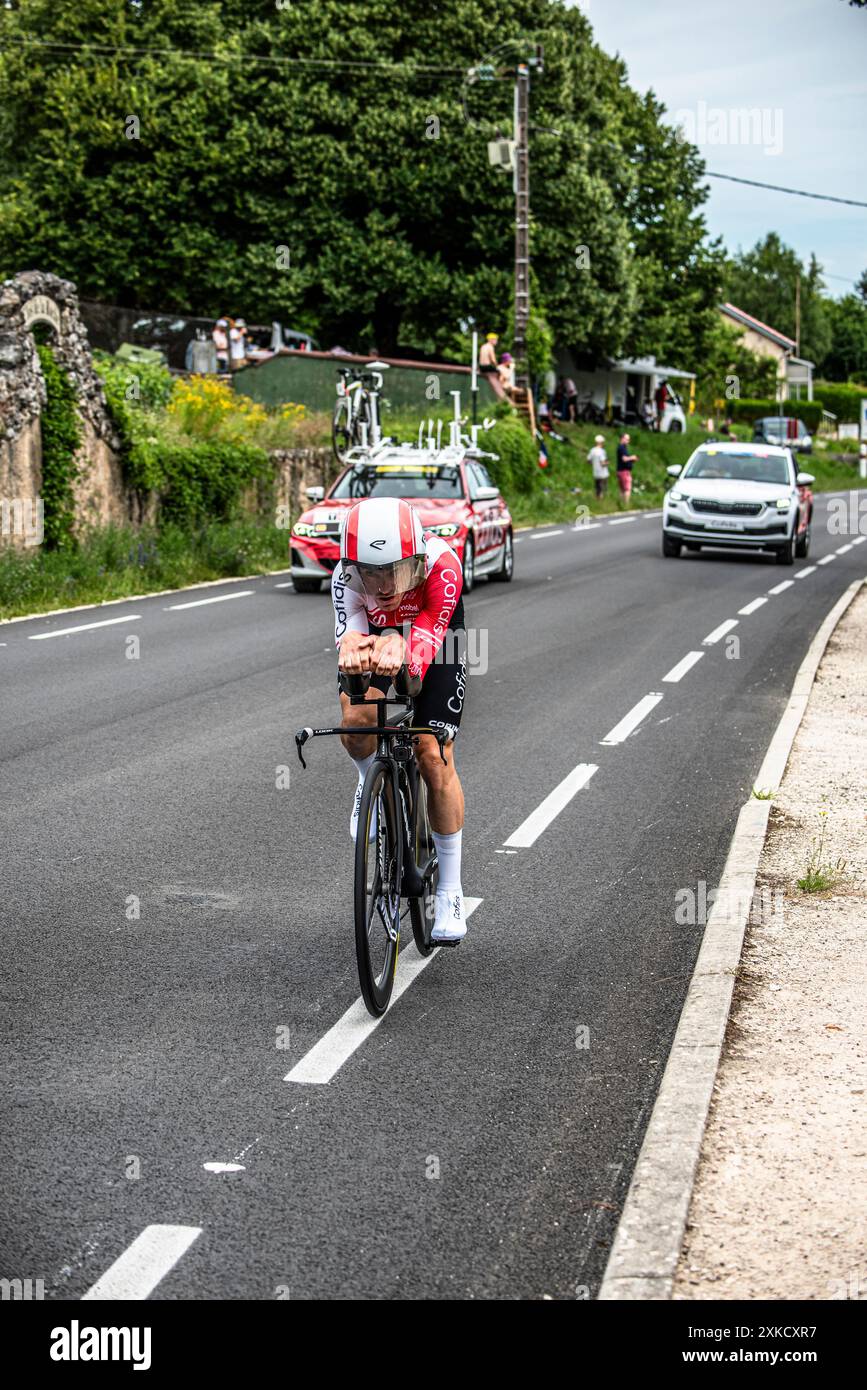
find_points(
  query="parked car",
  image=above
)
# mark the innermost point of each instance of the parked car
(741, 496)
(783, 429)
(673, 417)
(454, 494)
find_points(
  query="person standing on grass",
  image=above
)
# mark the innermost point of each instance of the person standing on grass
(599, 461)
(625, 460)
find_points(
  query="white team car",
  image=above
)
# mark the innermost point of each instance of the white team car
(739, 496)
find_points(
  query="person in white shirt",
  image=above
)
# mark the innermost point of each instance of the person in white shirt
(599, 460)
(238, 344)
(221, 343)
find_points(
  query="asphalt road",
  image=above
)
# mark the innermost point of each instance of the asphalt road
(177, 928)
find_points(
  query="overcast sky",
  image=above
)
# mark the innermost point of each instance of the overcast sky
(803, 64)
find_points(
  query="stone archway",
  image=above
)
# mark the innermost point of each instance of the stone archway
(38, 297)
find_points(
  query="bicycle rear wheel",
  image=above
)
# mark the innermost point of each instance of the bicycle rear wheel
(422, 910)
(378, 866)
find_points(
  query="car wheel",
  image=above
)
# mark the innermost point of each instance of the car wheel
(670, 547)
(306, 586)
(506, 570)
(802, 549)
(786, 553)
(675, 427)
(469, 566)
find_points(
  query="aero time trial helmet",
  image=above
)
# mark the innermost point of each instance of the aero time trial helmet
(382, 542)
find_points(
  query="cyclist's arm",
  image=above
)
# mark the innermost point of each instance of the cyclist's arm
(350, 610)
(442, 591)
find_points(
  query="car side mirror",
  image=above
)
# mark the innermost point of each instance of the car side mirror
(674, 470)
(315, 494)
(805, 479)
(487, 494)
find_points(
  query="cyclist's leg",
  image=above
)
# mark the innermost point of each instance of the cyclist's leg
(440, 705)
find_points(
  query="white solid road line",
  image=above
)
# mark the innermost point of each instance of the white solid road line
(325, 1058)
(544, 535)
(841, 549)
(82, 627)
(826, 559)
(621, 731)
(136, 1272)
(619, 520)
(529, 830)
(679, 671)
(219, 598)
(802, 574)
(719, 632)
(751, 607)
(786, 584)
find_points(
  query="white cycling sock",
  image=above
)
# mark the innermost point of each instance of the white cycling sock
(363, 764)
(448, 848)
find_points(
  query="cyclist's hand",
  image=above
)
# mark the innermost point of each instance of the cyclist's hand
(389, 654)
(356, 649)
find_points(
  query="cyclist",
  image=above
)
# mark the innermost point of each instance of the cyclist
(396, 595)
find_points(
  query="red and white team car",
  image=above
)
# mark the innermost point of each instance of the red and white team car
(452, 490)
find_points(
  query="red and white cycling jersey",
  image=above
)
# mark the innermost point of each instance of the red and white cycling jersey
(428, 609)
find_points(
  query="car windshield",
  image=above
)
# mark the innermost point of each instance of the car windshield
(399, 480)
(742, 468)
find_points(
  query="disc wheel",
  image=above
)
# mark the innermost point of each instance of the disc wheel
(422, 910)
(377, 890)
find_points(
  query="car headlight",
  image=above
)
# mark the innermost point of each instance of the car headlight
(676, 496)
(783, 503)
(302, 528)
(449, 530)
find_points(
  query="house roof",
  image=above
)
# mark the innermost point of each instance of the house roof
(741, 316)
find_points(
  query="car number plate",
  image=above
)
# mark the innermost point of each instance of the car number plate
(726, 524)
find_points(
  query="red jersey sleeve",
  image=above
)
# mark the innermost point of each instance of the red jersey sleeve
(442, 590)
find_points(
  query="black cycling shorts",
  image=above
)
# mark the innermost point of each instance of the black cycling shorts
(443, 690)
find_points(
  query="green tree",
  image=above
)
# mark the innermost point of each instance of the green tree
(329, 167)
(764, 282)
(847, 356)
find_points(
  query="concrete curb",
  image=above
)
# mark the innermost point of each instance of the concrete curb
(650, 1233)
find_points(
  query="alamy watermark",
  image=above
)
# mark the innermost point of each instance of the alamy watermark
(22, 518)
(739, 125)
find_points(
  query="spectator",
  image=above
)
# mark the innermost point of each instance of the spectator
(625, 461)
(660, 397)
(549, 386)
(488, 354)
(221, 343)
(506, 372)
(570, 399)
(648, 413)
(599, 460)
(238, 344)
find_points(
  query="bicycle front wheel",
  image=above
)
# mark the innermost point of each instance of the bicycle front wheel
(378, 867)
(341, 431)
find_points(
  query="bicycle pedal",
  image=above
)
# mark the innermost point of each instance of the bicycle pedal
(435, 942)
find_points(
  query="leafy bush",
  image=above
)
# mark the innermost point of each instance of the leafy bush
(201, 482)
(843, 401)
(808, 411)
(134, 383)
(61, 438)
(516, 467)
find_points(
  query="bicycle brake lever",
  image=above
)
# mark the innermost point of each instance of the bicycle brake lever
(300, 739)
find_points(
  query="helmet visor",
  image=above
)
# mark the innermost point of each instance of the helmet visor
(391, 581)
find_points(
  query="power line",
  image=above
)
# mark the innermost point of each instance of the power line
(248, 59)
(823, 197)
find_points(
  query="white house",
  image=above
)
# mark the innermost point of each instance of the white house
(794, 374)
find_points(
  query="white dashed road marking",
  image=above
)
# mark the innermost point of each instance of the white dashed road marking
(326, 1057)
(545, 535)
(826, 559)
(630, 722)
(786, 584)
(802, 574)
(841, 549)
(751, 607)
(136, 1272)
(679, 671)
(83, 627)
(200, 602)
(529, 830)
(719, 632)
(619, 520)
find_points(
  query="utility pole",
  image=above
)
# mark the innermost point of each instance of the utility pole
(522, 214)
(797, 316)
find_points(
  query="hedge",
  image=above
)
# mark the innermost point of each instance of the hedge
(61, 439)
(747, 411)
(516, 467)
(843, 401)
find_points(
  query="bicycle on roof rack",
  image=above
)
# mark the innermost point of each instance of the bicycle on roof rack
(396, 870)
(356, 420)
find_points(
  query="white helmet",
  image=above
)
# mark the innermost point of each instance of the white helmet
(382, 541)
